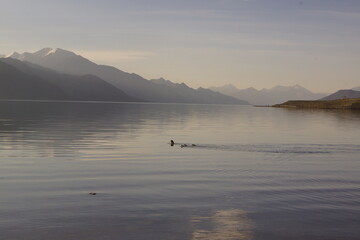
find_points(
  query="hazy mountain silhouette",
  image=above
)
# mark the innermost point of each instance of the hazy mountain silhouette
(277, 94)
(166, 82)
(341, 94)
(201, 95)
(132, 84)
(84, 88)
(356, 88)
(14, 84)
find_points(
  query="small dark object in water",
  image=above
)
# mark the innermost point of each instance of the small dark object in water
(194, 145)
(183, 145)
(172, 142)
(92, 193)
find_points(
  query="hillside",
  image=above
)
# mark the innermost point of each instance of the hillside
(82, 88)
(15, 84)
(341, 94)
(353, 103)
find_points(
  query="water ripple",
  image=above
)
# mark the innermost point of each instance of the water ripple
(284, 148)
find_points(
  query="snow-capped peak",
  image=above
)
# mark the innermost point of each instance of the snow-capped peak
(13, 55)
(51, 51)
(41, 54)
(44, 52)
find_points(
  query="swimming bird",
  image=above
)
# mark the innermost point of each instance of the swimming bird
(172, 142)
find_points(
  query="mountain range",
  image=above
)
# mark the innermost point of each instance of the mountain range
(58, 74)
(277, 94)
(60, 67)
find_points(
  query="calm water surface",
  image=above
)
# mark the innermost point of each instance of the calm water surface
(255, 173)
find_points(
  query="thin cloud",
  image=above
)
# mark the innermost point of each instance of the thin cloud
(336, 14)
(195, 14)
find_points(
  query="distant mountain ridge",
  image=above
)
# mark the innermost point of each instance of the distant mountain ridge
(184, 90)
(277, 94)
(67, 62)
(166, 82)
(342, 94)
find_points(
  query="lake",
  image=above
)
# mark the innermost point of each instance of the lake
(255, 173)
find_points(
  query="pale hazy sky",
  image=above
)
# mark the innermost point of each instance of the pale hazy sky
(249, 43)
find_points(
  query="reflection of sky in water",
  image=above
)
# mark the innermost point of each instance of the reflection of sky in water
(224, 225)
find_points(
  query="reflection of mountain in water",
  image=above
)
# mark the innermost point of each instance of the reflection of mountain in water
(65, 129)
(62, 126)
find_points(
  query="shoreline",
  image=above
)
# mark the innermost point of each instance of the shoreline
(348, 103)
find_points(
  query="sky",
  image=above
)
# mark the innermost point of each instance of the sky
(248, 43)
